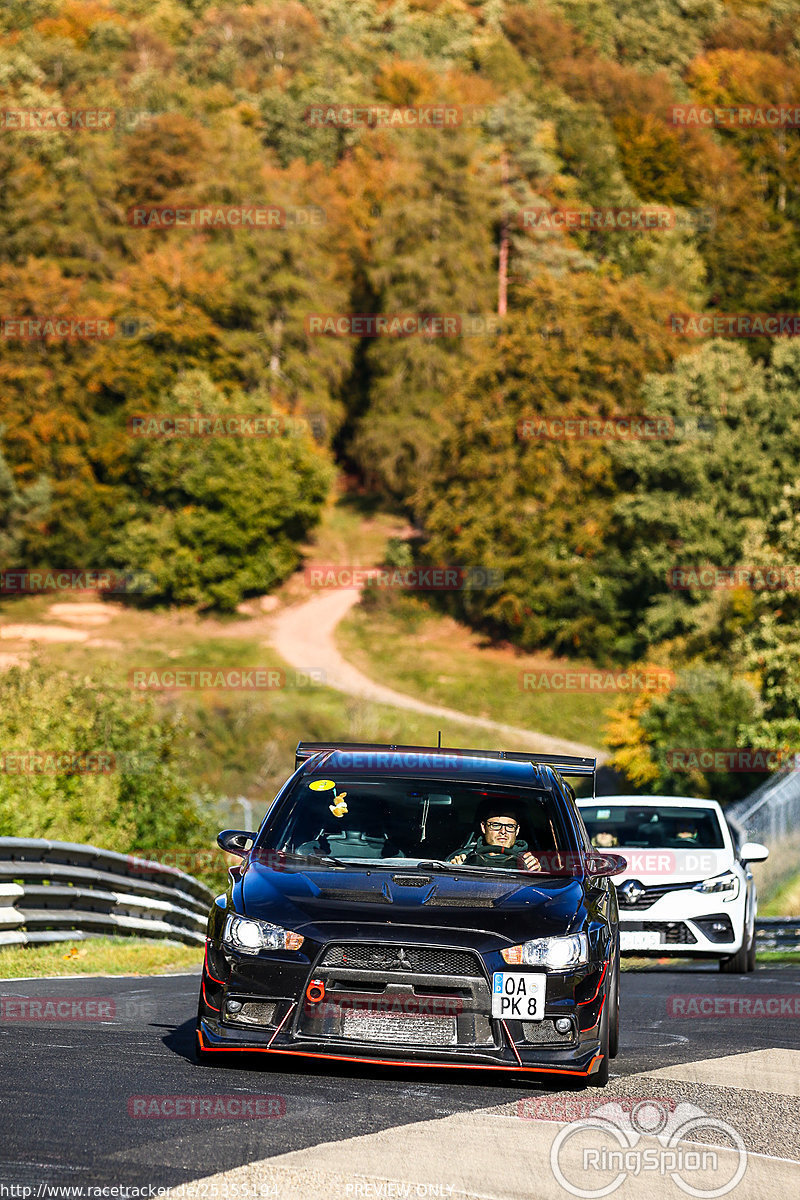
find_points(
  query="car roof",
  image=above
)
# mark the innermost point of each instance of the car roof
(435, 766)
(677, 802)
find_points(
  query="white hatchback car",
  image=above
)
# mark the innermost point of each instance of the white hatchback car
(688, 889)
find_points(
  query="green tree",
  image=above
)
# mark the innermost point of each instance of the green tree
(215, 518)
(110, 768)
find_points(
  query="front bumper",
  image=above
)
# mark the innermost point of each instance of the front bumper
(687, 923)
(399, 1017)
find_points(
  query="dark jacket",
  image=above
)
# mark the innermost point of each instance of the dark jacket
(484, 855)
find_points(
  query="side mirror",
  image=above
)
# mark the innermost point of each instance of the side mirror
(753, 852)
(234, 841)
(600, 865)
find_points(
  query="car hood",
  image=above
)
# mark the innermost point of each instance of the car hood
(655, 867)
(311, 898)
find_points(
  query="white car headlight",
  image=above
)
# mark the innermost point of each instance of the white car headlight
(248, 937)
(727, 883)
(557, 953)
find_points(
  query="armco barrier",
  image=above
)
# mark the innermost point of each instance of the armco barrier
(62, 891)
(778, 933)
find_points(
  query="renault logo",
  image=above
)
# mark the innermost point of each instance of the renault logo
(632, 891)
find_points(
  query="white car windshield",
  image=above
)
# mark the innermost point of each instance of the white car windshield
(646, 826)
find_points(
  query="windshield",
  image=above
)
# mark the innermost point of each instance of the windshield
(374, 820)
(632, 826)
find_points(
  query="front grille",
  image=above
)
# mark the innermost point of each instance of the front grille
(651, 894)
(417, 1029)
(422, 960)
(674, 933)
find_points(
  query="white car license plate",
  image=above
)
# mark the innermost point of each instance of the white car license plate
(518, 996)
(639, 939)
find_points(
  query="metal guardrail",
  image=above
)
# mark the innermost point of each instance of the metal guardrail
(778, 933)
(63, 891)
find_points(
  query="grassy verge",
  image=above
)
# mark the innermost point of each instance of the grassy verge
(401, 641)
(99, 956)
(783, 901)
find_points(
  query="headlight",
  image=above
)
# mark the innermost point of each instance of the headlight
(720, 883)
(557, 953)
(251, 936)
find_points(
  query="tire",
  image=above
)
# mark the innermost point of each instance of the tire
(736, 964)
(613, 1028)
(600, 1077)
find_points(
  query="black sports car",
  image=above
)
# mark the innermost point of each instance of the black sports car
(431, 907)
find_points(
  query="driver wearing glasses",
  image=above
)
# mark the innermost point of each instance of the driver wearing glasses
(499, 845)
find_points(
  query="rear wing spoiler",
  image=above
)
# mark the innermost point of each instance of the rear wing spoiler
(565, 764)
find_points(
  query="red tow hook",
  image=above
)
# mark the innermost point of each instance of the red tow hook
(315, 991)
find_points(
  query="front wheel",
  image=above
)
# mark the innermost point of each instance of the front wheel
(600, 1077)
(736, 964)
(751, 953)
(613, 1028)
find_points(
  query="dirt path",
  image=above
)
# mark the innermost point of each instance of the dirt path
(304, 636)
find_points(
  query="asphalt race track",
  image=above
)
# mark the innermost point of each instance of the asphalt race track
(68, 1087)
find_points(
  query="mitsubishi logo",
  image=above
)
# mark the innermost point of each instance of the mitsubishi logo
(632, 891)
(394, 960)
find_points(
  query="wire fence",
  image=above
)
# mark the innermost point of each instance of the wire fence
(771, 814)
